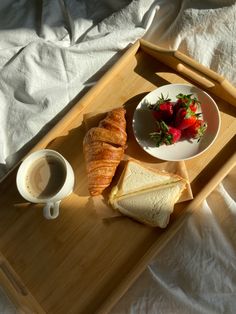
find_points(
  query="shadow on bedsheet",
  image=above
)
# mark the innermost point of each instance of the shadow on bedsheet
(58, 16)
(51, 27)
(13, 159)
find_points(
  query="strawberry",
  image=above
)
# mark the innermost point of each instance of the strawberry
(157, 114)
(165, 134)
(196, 130)
(188, 101)
(184, 118)
(162, 109)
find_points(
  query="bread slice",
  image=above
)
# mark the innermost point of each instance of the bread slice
(145, 194)
(152, 206)
(137, 177)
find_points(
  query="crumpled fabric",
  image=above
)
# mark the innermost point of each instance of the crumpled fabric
(49, 52)
(195, 273)
(203, 30)
(52, 51)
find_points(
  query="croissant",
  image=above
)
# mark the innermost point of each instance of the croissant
(103, 148)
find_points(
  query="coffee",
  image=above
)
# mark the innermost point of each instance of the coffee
(45, 177)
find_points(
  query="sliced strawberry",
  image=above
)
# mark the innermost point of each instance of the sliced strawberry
(196, 130)
(165, 134)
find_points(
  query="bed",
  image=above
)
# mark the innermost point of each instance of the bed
(52, 52)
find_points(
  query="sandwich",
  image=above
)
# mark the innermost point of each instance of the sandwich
(147, 195)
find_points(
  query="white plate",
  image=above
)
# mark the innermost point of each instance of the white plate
(144, 124)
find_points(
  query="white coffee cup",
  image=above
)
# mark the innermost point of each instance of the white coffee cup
(46, 177)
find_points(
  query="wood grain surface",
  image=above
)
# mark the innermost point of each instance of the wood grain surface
(83, 261)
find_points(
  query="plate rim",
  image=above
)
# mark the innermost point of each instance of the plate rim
(184, 158)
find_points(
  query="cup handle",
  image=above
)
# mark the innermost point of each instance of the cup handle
(51, 210)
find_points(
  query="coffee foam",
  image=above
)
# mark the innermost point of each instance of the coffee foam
(45, 177)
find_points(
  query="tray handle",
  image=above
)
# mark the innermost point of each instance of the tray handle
(4, 268)
(193, 70)
(16, 290)
(226, 161)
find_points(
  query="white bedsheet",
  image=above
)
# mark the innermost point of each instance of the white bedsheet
(51, 50)
(196, 272)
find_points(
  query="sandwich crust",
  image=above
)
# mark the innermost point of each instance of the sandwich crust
(136, 177)
(146, 195)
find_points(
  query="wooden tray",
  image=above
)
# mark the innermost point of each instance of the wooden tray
(80, 262)
(14, 295)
